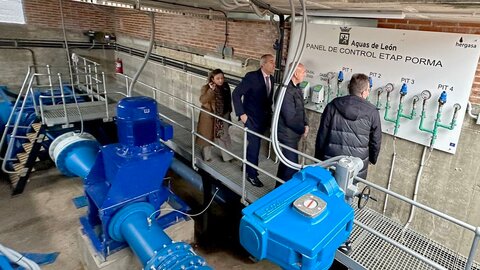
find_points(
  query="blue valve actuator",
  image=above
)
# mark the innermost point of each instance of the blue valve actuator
(443, 98)
(340, 76)
(370, 82)
(404, 89)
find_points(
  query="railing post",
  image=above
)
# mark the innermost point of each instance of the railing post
(50, 83)
(90, 81)
(86, 73)
(104, 95)
(41, 110)
(126, 84)
(194, 166)
(473, 249)
(96, 77)
(63, 98)
(244, 166)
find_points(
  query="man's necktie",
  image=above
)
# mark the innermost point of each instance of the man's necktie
(267, 84)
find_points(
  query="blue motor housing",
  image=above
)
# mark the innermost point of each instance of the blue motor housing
(299, 225)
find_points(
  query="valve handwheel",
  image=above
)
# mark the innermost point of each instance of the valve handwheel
(364, 196)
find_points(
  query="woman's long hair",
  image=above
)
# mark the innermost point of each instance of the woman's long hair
(213, 73)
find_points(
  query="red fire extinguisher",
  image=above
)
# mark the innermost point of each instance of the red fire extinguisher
(119, 66)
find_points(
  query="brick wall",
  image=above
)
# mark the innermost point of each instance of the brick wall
(248, 39)
(78, 16)
(439, 26)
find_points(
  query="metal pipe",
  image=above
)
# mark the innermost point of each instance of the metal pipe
(390, 175)
(192, 177)
(66, 41)
(417, 184)
(147, 56)
(32, 53)
(153, 247)
(469, 111)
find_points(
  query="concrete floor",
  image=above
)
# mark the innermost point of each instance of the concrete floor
(43, 219)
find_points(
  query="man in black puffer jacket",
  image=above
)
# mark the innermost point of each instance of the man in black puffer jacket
(351, 126)
(293, 123)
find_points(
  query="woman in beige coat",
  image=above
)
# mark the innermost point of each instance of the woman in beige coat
(215, 98)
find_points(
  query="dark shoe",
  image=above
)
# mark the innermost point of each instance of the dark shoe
(254, 181)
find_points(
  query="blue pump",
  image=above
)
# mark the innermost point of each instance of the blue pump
(299, 225)
(123, 186)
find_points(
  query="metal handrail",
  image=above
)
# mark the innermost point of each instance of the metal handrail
(193, 108)
(27, 89)
(7, 125)
(245, 162)
(9, 150)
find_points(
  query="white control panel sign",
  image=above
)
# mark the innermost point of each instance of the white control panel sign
(11, 11)
(409, 71)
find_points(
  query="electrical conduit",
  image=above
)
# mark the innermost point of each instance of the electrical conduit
(417, 184)
(147, 56)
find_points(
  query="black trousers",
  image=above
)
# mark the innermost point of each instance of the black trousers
(284, 172)
(253, 149)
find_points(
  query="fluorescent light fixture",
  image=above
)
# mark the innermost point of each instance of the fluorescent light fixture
(230, 62)
(358, 14)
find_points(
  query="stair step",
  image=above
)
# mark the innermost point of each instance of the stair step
(14, 178)
(18, 167)
(27, 147)
(32, 137)
(36, 126)
(22, 157)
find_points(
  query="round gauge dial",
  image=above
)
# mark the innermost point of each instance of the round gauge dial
(379, 90)
(457, 107)
(415, 98)
(389, 87)
(426, 94)
(330, 75)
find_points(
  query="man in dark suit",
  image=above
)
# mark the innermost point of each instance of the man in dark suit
(255, 110)
(293, 122)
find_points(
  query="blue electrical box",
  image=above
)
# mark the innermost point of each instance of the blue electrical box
(299, 225)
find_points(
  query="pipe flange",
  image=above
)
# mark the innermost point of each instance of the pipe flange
(177, 256)
(63, 137)
(64, 144)
(114, 228)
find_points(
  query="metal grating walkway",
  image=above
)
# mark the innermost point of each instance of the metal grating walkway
(55, 114)
(375, 253)
(230, 173)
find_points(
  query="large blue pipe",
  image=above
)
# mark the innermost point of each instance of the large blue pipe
(149, 242)
(81, 160)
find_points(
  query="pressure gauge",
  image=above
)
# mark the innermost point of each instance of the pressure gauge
(457, 107)
(389, 87)
(330, 75)
(379, 90)
(426, 94)
(415, 98)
